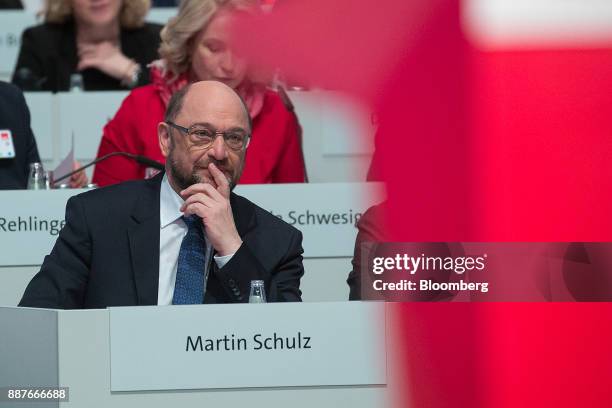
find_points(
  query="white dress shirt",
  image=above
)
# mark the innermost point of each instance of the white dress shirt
(171, 233)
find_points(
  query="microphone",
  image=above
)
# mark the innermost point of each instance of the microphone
(27, 80)
(136, 157)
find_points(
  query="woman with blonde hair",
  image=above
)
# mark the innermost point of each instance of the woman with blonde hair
(196, 46)
(107, 42)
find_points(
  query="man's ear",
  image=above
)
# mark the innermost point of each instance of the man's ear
(163, 135)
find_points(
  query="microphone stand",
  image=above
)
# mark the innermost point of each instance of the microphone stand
(138, 158)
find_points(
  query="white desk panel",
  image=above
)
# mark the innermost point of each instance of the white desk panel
(31, 220)
(43, 111)
(12, 24)
(84, 114)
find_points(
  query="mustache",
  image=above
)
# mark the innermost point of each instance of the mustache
(227, 173)
(221, 165)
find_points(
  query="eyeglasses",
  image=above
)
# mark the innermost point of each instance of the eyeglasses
(203, 136)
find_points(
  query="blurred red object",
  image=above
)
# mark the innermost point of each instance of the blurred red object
(503, 145)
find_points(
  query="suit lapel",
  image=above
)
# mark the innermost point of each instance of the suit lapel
(245, 221)
(244, 218)
(143, 235)
(244, 214)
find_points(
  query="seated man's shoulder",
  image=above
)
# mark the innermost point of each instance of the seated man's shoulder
(8, 90)
(117, 198)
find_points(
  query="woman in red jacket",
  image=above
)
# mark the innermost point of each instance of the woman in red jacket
(195, 48)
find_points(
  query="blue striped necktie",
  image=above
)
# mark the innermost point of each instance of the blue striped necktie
(190, 280)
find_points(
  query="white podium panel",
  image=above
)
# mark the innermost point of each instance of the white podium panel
(78, 350)
(326, 213)
(86, 124)
(342, 126)
(161, 15)
(42, 112)
(264, 345)
(28, 351)
(31, 220)
(12, 24)
(29, 224)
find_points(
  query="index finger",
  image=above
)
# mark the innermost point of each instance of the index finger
(222, 181)
(202, 188)
(85, 47)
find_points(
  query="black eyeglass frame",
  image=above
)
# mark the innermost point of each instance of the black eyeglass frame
(189, 133)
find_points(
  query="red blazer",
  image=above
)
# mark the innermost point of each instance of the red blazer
(274, 154)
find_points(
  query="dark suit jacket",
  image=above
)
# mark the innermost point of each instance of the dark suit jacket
(49, 51)
(108, 253)
(11, 4)
(15, 116)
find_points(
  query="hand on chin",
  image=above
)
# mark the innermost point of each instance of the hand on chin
(210, 181)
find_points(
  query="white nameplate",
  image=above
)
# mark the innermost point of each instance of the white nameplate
(247, 345)
(29, 224)
(325, 213)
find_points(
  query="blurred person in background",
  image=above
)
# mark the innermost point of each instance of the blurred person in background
(196, 46)
(15, 125)
(18, 147)
(107, 42)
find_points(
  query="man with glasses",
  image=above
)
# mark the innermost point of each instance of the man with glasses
(181, 237)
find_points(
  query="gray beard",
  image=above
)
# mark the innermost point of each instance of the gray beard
(183, 181)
